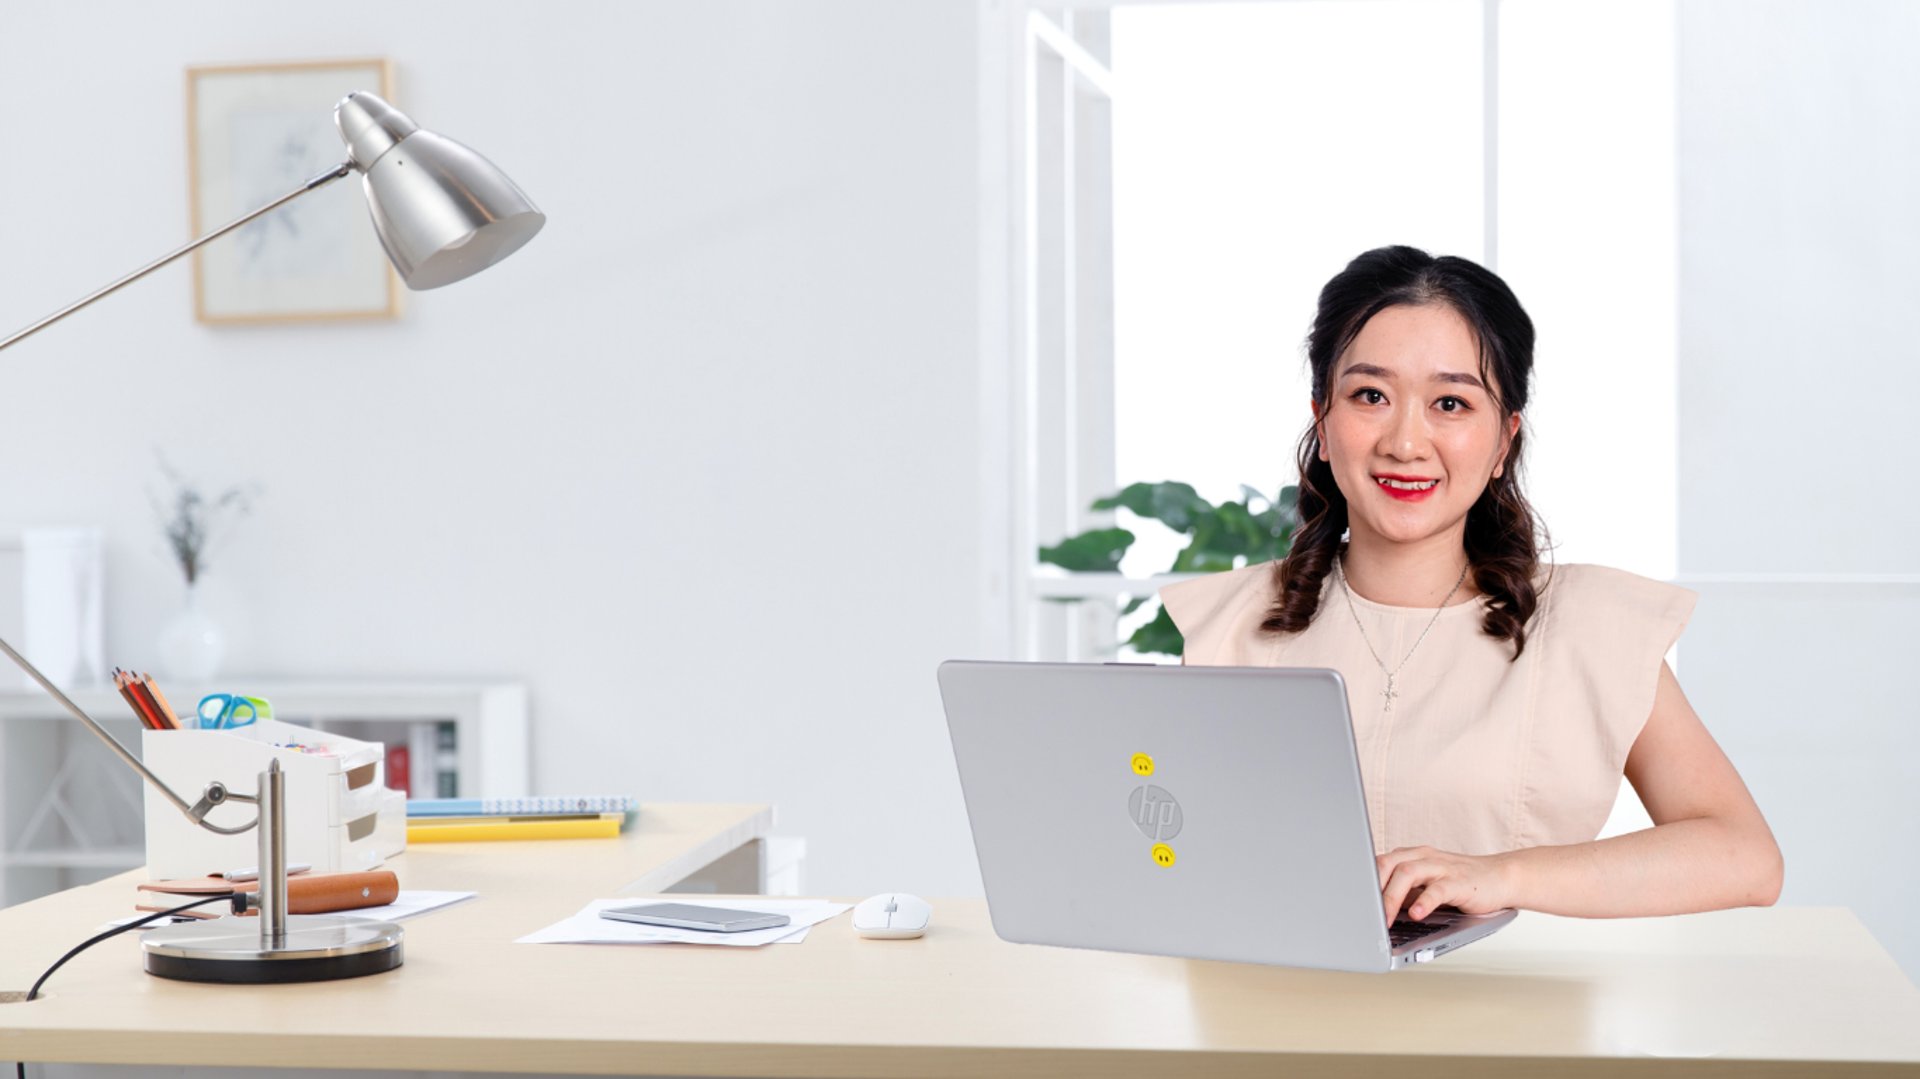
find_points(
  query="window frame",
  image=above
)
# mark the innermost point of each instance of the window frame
(1042, 65)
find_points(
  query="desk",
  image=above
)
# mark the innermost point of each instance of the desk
(1546, 996)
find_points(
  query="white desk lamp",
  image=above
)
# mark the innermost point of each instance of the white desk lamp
(443, 213)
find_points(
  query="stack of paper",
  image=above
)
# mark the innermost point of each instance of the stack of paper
(407, 905)
(587, 927)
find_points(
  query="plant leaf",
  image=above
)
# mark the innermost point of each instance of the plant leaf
(1172, 503)
(1159, 636)
(1095, 551)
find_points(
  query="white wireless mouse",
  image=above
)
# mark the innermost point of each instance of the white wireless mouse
(892, 916)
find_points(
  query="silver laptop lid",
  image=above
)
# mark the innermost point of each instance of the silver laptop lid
(1207, 812)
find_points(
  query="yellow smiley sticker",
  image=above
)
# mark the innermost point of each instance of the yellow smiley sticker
(1142, 764)
(1163, 856)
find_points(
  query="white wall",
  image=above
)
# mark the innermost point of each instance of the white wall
(1799, 160)
(697, 464)
(1799, 167)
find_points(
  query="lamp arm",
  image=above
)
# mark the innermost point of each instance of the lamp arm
(317, 182)
(215, 794)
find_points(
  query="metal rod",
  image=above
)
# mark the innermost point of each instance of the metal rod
(113, 743)
(317, 182)
(273, 856)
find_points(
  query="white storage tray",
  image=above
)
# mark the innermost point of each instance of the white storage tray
(334, 799)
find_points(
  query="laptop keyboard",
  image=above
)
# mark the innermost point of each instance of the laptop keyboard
(1403, 931)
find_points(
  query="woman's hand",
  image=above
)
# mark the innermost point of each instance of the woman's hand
(1423, 879)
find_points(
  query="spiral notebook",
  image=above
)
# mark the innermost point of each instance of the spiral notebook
(546, 806)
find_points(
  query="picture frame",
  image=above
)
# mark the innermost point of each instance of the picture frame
(256, 132)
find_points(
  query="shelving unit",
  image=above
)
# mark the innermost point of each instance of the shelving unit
(71, 813)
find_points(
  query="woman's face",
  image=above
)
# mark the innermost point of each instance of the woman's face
(1409, 428)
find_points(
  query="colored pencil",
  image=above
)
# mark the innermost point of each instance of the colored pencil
(142, 702)
(173, 717)
(131, 703)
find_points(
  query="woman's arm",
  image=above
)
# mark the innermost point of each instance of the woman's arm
(1709, 847)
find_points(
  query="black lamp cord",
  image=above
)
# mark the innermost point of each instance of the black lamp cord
(237, 900)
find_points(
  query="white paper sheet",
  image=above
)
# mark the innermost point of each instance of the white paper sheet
(410, 904)
(407, 905)
(587, 927)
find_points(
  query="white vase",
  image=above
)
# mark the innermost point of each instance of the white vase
(191, 644)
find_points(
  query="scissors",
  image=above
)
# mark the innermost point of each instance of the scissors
(222, 711)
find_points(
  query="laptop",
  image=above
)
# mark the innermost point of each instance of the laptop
(1203, 812)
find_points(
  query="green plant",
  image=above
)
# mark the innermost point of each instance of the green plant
(1222, 537)
(189, 519)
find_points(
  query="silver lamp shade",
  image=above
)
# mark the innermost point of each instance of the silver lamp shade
(442, 211)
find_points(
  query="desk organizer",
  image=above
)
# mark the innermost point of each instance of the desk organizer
(337, 804)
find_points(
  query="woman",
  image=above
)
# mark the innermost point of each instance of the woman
(1496, 701)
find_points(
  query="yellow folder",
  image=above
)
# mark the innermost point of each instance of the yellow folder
(471, 829)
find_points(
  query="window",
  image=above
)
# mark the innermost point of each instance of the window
(1178, 180)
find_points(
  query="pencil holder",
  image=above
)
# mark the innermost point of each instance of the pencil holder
(335, 798)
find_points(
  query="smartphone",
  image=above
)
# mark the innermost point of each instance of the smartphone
(691, 916)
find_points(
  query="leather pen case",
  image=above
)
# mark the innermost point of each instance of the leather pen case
(308, 893)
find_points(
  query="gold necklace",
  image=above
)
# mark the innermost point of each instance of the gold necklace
(1388, 693)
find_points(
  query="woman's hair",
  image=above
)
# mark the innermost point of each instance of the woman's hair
(1501, 540)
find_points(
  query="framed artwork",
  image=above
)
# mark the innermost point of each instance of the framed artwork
(254, 133)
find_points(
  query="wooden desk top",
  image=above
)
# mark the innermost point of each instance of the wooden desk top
(1698, 995)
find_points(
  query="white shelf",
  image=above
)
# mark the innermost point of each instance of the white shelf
(102, 858)
(1105, 585)
(46, 755)
(1816, 580)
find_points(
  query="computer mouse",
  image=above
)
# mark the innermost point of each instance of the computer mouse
(892, 916)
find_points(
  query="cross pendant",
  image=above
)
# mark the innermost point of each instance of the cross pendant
(1389, 694)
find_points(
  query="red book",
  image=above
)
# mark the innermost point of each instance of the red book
(400, 768)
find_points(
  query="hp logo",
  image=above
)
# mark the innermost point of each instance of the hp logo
(1155, 812)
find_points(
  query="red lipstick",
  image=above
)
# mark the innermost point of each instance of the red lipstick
(1409, 488)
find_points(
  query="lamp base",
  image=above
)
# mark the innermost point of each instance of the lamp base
(317, 948)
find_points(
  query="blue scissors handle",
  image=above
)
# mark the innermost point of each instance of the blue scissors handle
(220, 711)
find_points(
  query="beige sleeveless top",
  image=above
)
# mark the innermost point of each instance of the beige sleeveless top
(1477, 754)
